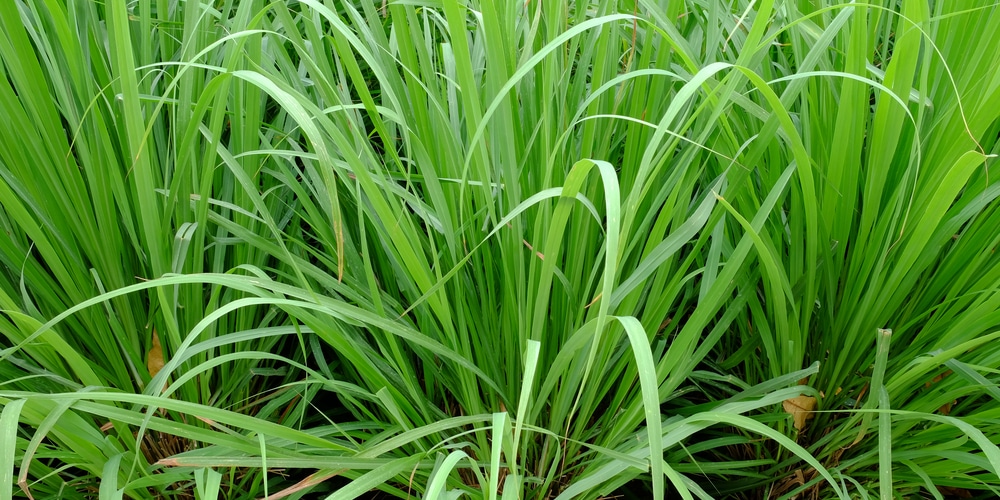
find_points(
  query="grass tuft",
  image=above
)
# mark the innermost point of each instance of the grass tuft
(499, 249)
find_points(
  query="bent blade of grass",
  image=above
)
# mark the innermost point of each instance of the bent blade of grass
(254, 285)
(574, 181)
(307, 462)
(920, 367)
(991, 462)
(674, 431)
(404, 438)
(974, 378)
(646, 168)
(991, 450)
(646, 368)
(41, 431)
(9, 420)
(439, 477)
(205, 367)
(77, 363)
(677, 431)
(530, 366)
(677, 480)
(928, 482)
(375, 477)
(526, 68)
(215, 414)
(554, 242)
(752, 425)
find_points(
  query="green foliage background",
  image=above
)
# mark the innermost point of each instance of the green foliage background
(499, 249)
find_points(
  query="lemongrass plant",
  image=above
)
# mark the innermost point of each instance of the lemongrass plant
(498, 249)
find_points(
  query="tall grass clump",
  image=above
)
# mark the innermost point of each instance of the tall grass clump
(499, 249)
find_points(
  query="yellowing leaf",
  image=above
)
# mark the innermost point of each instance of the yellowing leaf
(801, 408)
(154, 358)
(946, 408)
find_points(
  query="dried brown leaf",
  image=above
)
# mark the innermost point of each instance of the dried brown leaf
(154, 358)
(800, 407)
(945, 409)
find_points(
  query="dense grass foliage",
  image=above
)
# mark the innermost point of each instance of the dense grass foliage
(499, 249)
